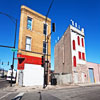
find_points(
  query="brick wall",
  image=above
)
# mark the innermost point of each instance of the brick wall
(96, 71)
(63, 60)
(36, 33)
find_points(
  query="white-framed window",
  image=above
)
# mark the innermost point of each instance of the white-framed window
(29, 23)
(28, 43)
(45, 28)
(44, 47)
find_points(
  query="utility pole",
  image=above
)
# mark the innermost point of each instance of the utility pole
(53, 30)
(45, 77)
(12, 66)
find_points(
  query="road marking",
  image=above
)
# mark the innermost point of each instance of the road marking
(19, 96)
(5, 95)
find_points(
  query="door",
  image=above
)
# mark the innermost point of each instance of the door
(91, 75)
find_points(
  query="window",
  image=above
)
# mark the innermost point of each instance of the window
(79, 54)
(83, 56)
(44, 47)
(74, 61)
(78, 39)
(29, 23)
(28, 43)
(45, 29)
(82, 42)
(74, 45)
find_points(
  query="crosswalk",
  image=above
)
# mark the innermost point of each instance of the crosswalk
(4, 95)
(19, 96)
(12, 96)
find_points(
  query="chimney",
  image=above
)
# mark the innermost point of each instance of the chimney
(82, 30)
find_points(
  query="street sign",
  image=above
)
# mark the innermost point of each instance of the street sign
(14, 49)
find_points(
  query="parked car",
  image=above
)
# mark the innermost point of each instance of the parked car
(9, 75)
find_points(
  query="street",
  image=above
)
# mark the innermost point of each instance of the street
(73, 93)
(3, 83)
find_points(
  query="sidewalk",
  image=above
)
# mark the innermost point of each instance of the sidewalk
(16, 88)
(88, 84)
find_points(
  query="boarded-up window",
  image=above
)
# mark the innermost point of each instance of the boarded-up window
(83, 56)
(78, 39)
(74, 47)
(82, 42)
(79, 54)
(74, 61)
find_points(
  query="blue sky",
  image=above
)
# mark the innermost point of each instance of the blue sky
(85, 12)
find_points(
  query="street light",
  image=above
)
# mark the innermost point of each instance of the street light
(15, 22)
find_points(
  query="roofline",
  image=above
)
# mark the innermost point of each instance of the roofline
(34, 12)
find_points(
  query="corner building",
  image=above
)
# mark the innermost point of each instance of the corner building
(32, 46)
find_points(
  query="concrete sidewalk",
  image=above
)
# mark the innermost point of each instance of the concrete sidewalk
(88, 84)
(16, 88)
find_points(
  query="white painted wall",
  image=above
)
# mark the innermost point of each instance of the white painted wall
(82, 77)
(78, 48)
(63, 79)
(75, 77)
(33, 75)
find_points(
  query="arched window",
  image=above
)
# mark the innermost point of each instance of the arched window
(74, 61)
(78, 39)
(82, 42)
(74, 45)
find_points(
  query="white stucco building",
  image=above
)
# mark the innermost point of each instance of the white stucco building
(70, 56)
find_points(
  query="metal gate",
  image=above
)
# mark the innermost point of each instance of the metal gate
(20, 79)
(91, 75)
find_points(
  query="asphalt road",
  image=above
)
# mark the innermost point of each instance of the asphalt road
(3, 83)
(76, 93)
